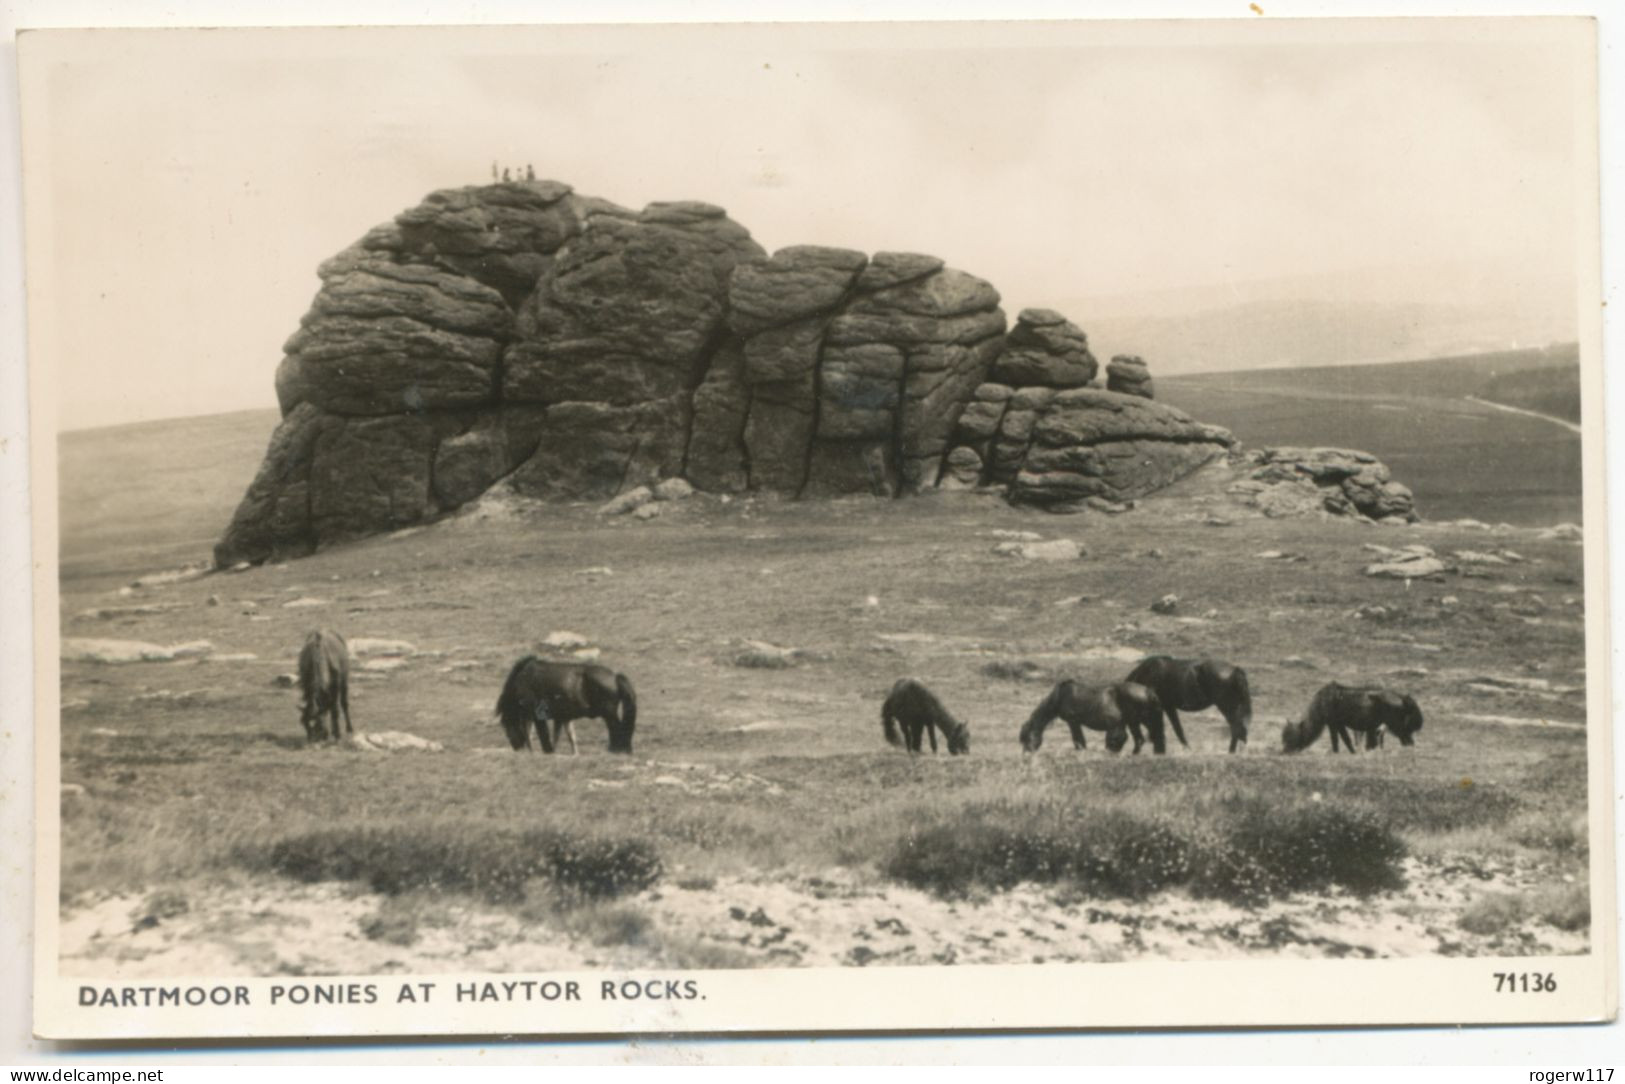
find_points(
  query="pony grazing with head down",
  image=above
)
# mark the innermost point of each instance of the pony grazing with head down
(539, 692)
(1107, 708)
(916, 709)
(324, 683)
(1194, 685)
(1365, 708)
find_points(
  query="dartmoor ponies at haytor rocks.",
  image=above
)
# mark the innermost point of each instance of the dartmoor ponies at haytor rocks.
(1108, 708)
(324, 683)
(539, 691)
(1191, 685)
(916, 709)
(1342, 708)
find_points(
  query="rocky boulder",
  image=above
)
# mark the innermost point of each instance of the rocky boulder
(1087, 443)
(1340, 481)
(1045, 349)
(1129, 375)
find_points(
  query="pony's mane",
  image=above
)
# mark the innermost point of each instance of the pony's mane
(505, 702)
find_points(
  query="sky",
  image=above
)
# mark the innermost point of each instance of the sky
(182, 186)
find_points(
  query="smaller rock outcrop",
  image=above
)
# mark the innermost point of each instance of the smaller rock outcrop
(1045, 349)
(1342, 481)
(1130, 376)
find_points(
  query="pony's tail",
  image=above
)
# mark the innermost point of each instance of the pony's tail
(629, 712)
(1156, 713)
(888, 724)
(1032, 731)
(1244, 696)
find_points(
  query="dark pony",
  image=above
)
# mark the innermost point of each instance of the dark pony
(917, 709)
(1342, 708)
(1108, 708)
(539, 691)
(324, 683)
(1191, 685)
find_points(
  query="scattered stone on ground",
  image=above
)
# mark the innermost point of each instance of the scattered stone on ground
(1059, 549)
(76, 649)
(673, 489)
(113, 613)
(761, 655)
(305, 603)
(179, 575)
(392, 741)
(374, 647)
(1413, 567)
(1017, 670)
(1167, 604)
(564, 639)
(646, 511)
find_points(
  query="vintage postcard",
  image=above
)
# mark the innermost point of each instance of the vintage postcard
(832, 527)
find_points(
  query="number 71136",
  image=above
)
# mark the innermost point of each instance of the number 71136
(1525, 982)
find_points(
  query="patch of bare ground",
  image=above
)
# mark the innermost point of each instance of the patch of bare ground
(829, 919)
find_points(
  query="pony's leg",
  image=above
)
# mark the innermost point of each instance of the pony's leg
(1137, 735)
(1078, 741)
(344, 700)
(931, 732)
(569, 727)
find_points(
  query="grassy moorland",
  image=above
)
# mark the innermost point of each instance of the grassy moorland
(762, 820)
(1462, 458)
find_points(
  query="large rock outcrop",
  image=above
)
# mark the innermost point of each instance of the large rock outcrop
(575, 349)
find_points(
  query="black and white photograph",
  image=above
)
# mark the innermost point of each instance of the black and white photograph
(611, 528)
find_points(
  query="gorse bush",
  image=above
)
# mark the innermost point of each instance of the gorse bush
(1247, 853)
(493, 864)
(1270, 850)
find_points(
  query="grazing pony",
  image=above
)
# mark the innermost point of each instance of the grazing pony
(324, 683)
(1342, 708)
(1109, 708)
(539, 691)
(1192, 685)
(917, 709)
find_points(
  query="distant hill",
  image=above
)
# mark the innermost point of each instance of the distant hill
(154, 494)
(1462, 458)
(1367, 316)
